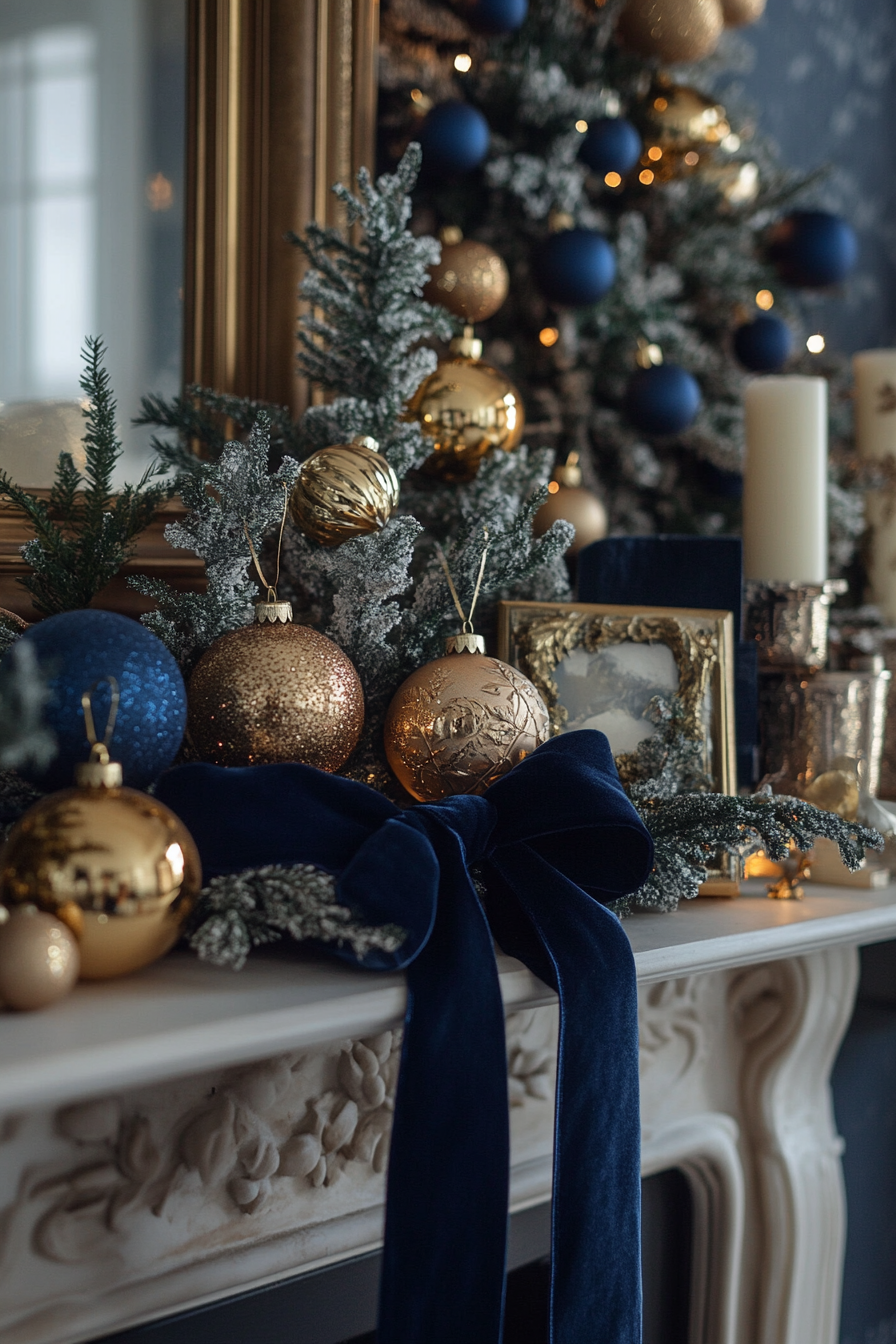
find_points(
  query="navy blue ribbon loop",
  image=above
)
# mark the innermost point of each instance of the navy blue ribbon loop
(552, 840)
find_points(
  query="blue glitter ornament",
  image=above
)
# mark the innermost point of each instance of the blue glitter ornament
(812, 248)
(663, 399)
(78, 648)
(611, 145)
(454, 138)
(496, 16)
(763, 345)
(574, 267)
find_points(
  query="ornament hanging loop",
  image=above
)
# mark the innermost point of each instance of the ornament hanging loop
(271, 610)
(100, 771)
(465, 641)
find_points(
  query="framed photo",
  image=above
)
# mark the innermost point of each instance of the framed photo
(600, 666)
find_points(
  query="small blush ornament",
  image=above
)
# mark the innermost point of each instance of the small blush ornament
(113, 864)
(39, 958)
(462, 721)
(570, 501)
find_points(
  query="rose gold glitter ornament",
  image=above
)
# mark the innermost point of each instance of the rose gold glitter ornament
(673, 30)
(347, 490)
(39, 958)
(462, 721)
(112, 863)
(470, 279)
(466, 407)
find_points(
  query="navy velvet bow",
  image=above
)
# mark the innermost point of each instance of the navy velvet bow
(553, 839)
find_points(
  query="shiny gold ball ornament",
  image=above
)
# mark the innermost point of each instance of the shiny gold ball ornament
(113, 864)
(470, 279)
(344, 491)
(570, 501)
(673, 30)
(739, 13)
(682, 129)
(467, 408)
(39, 958)
(275, 692)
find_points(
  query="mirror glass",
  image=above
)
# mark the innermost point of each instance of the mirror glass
(92, 132)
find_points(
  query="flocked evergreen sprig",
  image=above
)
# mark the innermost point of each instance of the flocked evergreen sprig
(86, 530)
(240, 911)
(237, 491)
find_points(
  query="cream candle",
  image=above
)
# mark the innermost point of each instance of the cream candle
(785, 480)
(875, 417)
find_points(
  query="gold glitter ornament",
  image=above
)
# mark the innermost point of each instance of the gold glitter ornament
(346, 490)
(39, 958)
(470, 279)
(569, 500)
(673, 30)
(467, 408)
(113, 864)
(464, 720)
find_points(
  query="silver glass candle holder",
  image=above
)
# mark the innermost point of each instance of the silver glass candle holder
(818, 721)
(789, 621)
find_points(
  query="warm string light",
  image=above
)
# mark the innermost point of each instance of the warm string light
(815, 344)
(765, 299)
(549, 336)
(654, 153)
(463, 62)
(645, 177)
(581, 126)
(692, 158)
(613, 180)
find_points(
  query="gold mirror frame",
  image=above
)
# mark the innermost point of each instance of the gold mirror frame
(281, 103)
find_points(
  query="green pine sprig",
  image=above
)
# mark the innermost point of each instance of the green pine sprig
(85, 531)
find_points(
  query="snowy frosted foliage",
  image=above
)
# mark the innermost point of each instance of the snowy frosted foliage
(24, 739)
(222, 495)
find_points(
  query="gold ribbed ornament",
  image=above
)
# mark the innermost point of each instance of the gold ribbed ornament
(673, 30)
(470, 279)
(569, 500)
(344, 491)
(275, 692)
(467, 408)
(112, 863)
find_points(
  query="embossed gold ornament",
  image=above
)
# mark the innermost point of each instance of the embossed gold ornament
(464, 720)
(470, 279)
(673, 30)
(112, 863)
(467, 408)
(343, 491)
(569, 500)
(39, 958)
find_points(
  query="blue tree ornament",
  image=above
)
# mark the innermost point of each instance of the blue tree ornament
(574, 267)
(812, 248)
(611, 145)
(664, 399)
(455, 138)
(763, 345)
(77, 648)
(496, 16)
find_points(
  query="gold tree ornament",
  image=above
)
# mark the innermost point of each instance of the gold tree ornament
(470, 279)
(682, 129)
(673, 30)
(570, 501)
(462, 721)
(467, 408)
(739, 13)
(274, 692)
(113, 864)
(346, 490)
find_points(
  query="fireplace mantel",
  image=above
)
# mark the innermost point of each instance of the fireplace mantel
(155, 1132)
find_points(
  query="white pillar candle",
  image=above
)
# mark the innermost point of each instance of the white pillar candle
(786, 480)
(875, 414)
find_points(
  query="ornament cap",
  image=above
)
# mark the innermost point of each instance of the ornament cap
(569, 473)
(99, 772)
(366, 441)
(464, 642)
(273, 612)
(467, 345)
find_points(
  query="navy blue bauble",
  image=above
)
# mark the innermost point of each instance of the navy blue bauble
(574, 267)
(763, 345)
(496, 16)
(812, 249)
(611, 145)
(78, 648)
(663, 399)
(455, 138)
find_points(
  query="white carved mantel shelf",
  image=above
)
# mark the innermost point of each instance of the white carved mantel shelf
(175, 1137)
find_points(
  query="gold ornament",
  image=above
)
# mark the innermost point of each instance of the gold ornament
(466, 408)
(462, 721)
(673, 30)
(682, 129)
(39, 958)
(738, 13)
(835, 791)
(344, 491)
(112, 863)
(569, 500)
(470, 279)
